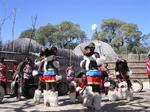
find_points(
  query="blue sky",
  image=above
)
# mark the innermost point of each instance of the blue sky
(82, 12)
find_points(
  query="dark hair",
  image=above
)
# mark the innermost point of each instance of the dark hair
(54, 50)
(123, 64)
(51, 51)
(47, 52)
(42, 53)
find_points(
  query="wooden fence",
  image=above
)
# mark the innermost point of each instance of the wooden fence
(64, 57)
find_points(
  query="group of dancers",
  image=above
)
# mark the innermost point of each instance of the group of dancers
(88, 87)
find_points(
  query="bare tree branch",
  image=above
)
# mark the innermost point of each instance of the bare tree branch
(34, 19)
(13, 27)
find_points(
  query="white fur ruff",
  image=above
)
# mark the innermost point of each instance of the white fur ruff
(88, 100)
(97, 101)
(88, 97)
(37, 96)
(53, 99)
(88, 90)
(129, 95)
(46, 97)
(112, 95)
(121, 93)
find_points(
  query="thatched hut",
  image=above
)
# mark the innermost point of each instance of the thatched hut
(101, 47)
(23, 45)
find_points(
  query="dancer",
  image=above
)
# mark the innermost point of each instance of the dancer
(89, 63)
(18, 77)
(50, 71)
(122, 72)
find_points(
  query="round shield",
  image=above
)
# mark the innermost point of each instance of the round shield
(137, 86)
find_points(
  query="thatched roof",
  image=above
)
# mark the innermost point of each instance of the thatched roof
(22, 45)
(101, 47)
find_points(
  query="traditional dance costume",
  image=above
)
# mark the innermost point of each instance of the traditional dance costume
(49, 69)
(51, 66)
(92, 97)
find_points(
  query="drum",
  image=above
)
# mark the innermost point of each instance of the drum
(137, 86)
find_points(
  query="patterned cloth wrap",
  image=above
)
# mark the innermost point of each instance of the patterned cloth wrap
(93, 77)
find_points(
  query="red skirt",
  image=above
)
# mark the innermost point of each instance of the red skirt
(94, 80)
(41, 78)
(49, 78)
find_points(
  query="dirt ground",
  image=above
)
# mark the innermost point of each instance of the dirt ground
(141, 103)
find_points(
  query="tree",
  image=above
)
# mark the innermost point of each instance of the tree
(44, 33)
(145, 40)
(120, 35)
(26, 34)
(64, 35)
(70, 34)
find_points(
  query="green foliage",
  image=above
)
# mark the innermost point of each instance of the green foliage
(70, 34)
(64, 35)
(27, 34)
(146, 40)
(44, 33)
(120, 35)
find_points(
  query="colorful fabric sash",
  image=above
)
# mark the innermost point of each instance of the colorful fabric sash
(50, 72)
(93, 73)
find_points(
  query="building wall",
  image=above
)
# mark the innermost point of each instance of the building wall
(136, 63)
